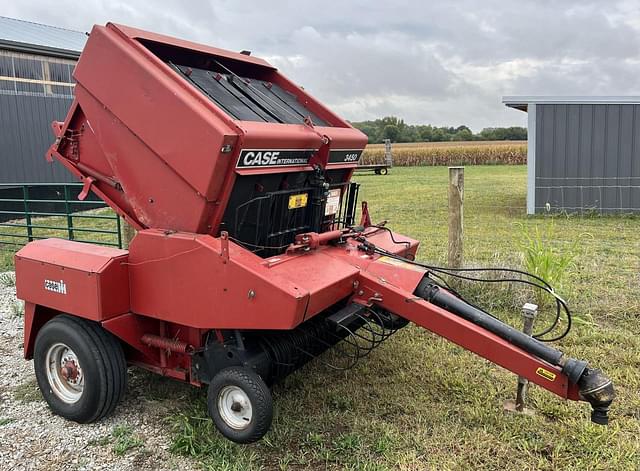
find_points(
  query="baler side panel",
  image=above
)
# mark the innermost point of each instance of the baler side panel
(64, 276)
(185, 278)
(326, 279)
(34, 318)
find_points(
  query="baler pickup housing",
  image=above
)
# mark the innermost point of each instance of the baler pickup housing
(248, 261)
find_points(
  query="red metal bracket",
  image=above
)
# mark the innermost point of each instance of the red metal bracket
(86, 188)
(365, 219)
(224, 246)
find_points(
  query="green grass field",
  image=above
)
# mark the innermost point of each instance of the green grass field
(419, 402)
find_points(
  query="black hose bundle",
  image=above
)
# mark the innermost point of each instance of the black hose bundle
(436, 273)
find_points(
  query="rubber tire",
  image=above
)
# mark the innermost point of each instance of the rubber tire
(384, 171)
(377, 171)
(103, 364)
(257, 392)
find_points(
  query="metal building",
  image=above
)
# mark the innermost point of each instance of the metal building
(583, 153)
(36, 88)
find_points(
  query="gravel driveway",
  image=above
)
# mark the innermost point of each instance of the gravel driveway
(135, 437)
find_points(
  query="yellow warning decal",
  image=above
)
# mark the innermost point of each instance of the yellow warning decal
(298, 201)
(546, 374)
(399, 263)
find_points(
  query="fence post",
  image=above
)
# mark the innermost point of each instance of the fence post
(456, 199)
(67, 209)
(27, 213)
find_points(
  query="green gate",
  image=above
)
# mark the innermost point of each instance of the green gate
(32, 211)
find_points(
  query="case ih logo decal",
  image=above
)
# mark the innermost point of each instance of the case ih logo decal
(56, 286)
(344, 156)
(273, 158)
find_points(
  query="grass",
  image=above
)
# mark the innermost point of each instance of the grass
(419, 402)
(7, 280)
(449, 153)
(122, 440)
(27, 392)
(17, 309)
(125, 440)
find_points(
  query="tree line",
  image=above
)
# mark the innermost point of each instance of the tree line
(397, 130)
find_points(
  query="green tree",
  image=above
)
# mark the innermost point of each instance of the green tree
(463, 135)
(394, 128)
(392, 132)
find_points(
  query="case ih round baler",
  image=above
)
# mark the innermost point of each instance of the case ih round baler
(247, 262)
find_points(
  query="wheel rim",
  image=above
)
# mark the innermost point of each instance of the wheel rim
(64, 373)
(234, 407)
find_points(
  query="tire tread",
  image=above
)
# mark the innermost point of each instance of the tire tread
(263, 407)
(109, 358)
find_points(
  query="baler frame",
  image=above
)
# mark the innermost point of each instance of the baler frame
(200, 299)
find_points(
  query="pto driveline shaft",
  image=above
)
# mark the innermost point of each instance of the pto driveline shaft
(435, 295)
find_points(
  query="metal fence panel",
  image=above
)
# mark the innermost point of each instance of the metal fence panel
(37, 211)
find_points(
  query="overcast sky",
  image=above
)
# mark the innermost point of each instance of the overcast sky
(437, 61)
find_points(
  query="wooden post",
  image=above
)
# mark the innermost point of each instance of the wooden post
(456, 198)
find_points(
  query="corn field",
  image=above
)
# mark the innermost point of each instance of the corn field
(450, 153)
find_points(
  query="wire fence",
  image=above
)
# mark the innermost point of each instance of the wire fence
(576, 194)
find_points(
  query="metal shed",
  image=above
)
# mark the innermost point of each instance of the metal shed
(583, 153)
(36, 88)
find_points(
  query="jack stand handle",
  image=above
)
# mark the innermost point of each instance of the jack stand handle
(529, 313)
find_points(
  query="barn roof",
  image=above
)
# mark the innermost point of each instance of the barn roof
(36, 38)
(521, 102)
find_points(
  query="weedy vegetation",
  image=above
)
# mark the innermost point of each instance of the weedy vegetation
(27, 392)
(7, 280)
(125, 440)
(17, 309)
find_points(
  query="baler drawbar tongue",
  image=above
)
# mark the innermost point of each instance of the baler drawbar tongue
(594, 387)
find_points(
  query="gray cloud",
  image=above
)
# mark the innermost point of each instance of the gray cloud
(439, 62)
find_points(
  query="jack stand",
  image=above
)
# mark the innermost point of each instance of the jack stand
(529, 313)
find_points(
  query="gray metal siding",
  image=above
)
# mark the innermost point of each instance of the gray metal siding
(25, 136)
(587, 157)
